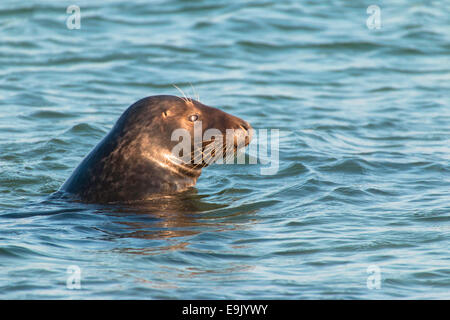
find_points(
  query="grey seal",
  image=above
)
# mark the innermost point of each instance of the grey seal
(134, 161)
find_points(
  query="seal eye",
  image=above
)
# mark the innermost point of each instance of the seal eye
(193, 118)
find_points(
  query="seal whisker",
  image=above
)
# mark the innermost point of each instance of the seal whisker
(202, 154)
(205, 144)
(179, 168)
(210, 156)
(229, 156)
(207, 154)
(197, 157)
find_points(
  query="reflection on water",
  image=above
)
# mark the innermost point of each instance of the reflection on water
(363, 157)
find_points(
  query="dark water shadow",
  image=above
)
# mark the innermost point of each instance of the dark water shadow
(172, 219)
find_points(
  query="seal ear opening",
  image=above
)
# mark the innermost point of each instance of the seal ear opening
(165, 114)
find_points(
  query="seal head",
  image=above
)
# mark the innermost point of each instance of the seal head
(135, 160)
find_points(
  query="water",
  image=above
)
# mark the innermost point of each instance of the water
(363, 179)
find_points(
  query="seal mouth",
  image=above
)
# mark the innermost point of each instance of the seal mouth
(246, 131)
